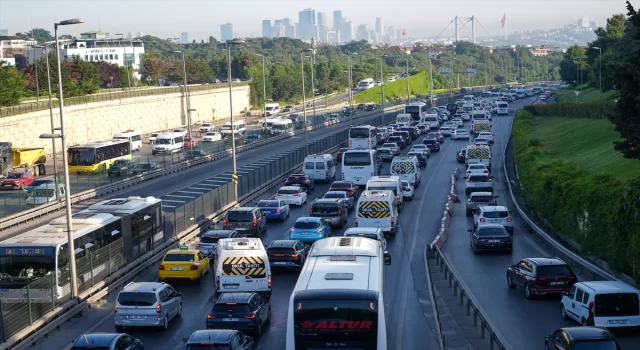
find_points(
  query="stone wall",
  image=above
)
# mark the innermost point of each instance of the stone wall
(100, 121)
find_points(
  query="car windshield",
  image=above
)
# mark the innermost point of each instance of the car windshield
(268, 204)
(296, 179)
(43, 193)
(405, 183)
(356, 158)
(186, 257)
(288, 191)
(553, 270)
(120, 162)
(477, 167)
(478, 178)
(207, 346)
(484, 231)
(239, 216)
(306, 224)
(616, 304)
(496, 214)
(389, 145)
(324, 208)
(163, 141)
(335, 195)
(340, 185)
(210, 239)
(590, 344)
(482, 199)
(461, 131)
(136, 299)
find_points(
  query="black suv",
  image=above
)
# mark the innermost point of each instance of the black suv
(541, 276)
(143, 168)
(287, 253)
(411, 130)
(107, 341)
(121, 167)
(575, 337)
(433, 144)
(461, 155)
(399, 140)
(219, 339)
(247, 221)
(306, 182)
(244, 311)
(422, 161)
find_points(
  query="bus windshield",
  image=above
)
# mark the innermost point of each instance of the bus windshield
(359, 133)
(17, 271)
(357, 159)
(414, 111)
(82, 156)
(353, 323)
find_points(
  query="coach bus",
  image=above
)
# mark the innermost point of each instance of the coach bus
(359, 165)
(417, 111)
(362, 136)
(338, 301)
(97, 156)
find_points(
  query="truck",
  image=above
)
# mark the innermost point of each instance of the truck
(21, 159)
(404, 119)
(478, 155)
(480, 125)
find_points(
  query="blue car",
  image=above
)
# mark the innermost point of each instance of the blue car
(308, 229)
(274, 209)
(36, 183)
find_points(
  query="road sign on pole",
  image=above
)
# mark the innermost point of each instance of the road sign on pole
(577, 92)
(149, 78)
(234, 178)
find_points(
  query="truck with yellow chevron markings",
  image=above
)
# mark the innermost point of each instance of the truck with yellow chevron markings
(243, 266)
(378, 209)
(478, 155)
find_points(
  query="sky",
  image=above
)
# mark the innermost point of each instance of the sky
(202, 18)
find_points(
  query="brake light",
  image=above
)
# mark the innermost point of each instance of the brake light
(210, 316)
(509, 219)
(469, 180)
(278, 195)
(159, 309)
(198, 245)
(319, 230)
(297, 195)
(292, 229)
(305, 181)
(486, 171)
(339, 211)
(356, 222)
(255, 223)
(194, 267)
(470, 201)
(571, 277)
(489, 180)
(269, 280)
(350, 143)
(225, 222)
(217, 282)
(393, 220)
(482, 220)
(115, 308)
(591, 309)
(251, 316)
(161, 267)
(492, 201)
(539, 279)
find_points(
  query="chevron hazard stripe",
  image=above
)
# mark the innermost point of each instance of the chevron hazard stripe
(374, 210)
(403, 168)
(478, 153)
(244, 266)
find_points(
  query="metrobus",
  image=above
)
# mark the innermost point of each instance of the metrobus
(282, 127)
(362, 136)
(239, 126)
(359, 165)
(268, 124)
(366, 84)
(338, 300)
(417, 111)
(118, 231)
(97, 156)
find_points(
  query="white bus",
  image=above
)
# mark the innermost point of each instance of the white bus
(417, 110)
(359, 165)
(272, 108)
(133, 136)
(338, 301)
(238, 127)
(282, 127)
(362, 136)
(268, 124)
(366, 84)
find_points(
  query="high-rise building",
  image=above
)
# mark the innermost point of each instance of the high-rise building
(374, 37)
(347, 32)
(140, 35)
(266, 28)
(391, 33)
(226, 31)
(379, 27)
(593, 24)
(290, 31)
(4, 31)
(322, 26)
(184, 38)
(287, 22)
(277, 30)
(583, 22)
(307, 21)
(363, 32)
(337, 20)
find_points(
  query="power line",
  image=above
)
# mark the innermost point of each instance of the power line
(481, 26)
(445, 28)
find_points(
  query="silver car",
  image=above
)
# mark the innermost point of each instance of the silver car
(147, 304)
(392, 146)
(209, 241)
(340, 195)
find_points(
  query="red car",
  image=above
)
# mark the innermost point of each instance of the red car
(345, 186)
(188, 142)
(15, 181)
(339, 155)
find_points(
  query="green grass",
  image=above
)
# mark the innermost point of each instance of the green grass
(587, 142)
(587, 95)
(418, 85)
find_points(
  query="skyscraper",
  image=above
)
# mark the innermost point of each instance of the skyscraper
(307, 21)
(322, 26)
(287, 22)
(290, 31)
(4, 31)
(363, 32)
(226, 31)
(379, 27)
(266, 28)
(337, 20)
(184, 38)
(391, 32)
(346, 32)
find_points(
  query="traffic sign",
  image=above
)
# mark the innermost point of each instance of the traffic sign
(577, 92)
(149, 78)
(234, 178)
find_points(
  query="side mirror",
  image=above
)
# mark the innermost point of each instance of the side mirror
(566, 293)
(387, 258)
(184, 340)
(469, 231)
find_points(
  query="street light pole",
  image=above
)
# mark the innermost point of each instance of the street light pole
(350, 86)
(408, 91)
(65, 163)
(304, 105)
(264, 91)
(431, 81)
(35, 62)
(381, 86)
(600, 59)
(233, 132)
(187, 102)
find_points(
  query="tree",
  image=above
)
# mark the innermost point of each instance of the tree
(13, 84)
(627, 81)
(38, 34)
(608, 42)
(574, 59)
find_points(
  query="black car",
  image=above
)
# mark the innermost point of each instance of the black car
(306, 182)
(433, 144)
(461, 155)
(251, 138)
(436, 135)
(490, 237)
(224, 339)
(194, 154)
(362, 107)
(244, 311)
(121, 167)
(287, 253)
(422, 161)
(405, 135)
(581, 338)
(397, 140)
(385, 154)
(413, 133)
(107, 341)
(371, 108)
(143, 168)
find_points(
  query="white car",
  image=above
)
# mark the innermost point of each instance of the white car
(502, 111)
(460, 134)
(488, 113)
(487, 135)
(212, 137)
(493, 215)
(407, 190)
(292, 195)
(395, 149)
(477, 169)
(420, 148)
(153, 137)
(182, 131)
(482, 140)
(207, 127)
(459, 122)
(446, 130)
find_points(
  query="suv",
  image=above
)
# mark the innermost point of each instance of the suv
(422, 160)
(480, 199)
(121, 167)
(461, 155)
(493, 215)
(333, 210)
(287, 253)
(248, 221)
(146, 304)
(219, 338)
(306, 182)
(107, 341)
(246, 312)
(385, 154)
(574, 337)
(209, 241)
(432, 144)
(477, 182)
(610, 304)
(541, 276)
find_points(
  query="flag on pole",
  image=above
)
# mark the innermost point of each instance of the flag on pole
(504, 20)
(404, 32)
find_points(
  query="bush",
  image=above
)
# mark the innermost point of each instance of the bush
(602, 109)
(598, 211)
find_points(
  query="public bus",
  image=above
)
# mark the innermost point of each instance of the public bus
(97, 156)
(362, 136)
(282, 127)
(338, 300)
(239, 126)
(366, 84)
(359, 165)
(120, 230)
(417, 111)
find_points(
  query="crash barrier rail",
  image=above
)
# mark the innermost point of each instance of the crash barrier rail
(443, 232)
(579, 264)
(106, 268)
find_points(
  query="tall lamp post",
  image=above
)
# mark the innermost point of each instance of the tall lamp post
(408, 91)
(233, 134)
(304, 105)
(311, 53)
(264, 90)
(431, 82)
(124, 60)
(382, 85)
(187, 100)
(35, 62)
(600, 56)
(65, 163)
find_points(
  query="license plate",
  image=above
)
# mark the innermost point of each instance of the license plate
(135, 317)
(617, 322)
(230, 286)
(494, 241)
(242, 228)
(497, 221)
(177, 269)
(230, 319)
(556, 283)
(279, 263)
(305, 233)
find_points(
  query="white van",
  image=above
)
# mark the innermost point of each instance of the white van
(320, 167)
(404, 119)
(272, 108)
(390, 183)
(432, 120)
(378, 209)
(467, 108)
(406, 168)
(243, 266)
(239, 126)
(44, 194)
(168, 143)
(133, 136)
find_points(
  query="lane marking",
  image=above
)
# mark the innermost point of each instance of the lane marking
(173, 195)
(188, 192)
(169, 200)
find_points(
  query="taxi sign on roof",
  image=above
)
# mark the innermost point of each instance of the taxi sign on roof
(184, 247)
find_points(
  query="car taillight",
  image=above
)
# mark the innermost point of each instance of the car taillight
(305, 181)
(486, 171)
(198, 245)
(470, 201)
(269, 280)
(278, 210)
(339, 211)
(295, 256)
(350, 143)
(297, 195)
(482, 220)
(210, 316)
(255, 223)
(591, 309)
(509, 219)
(356, 222)
(469, 180)
(287, 183)
(278, 195)
(310, 211)
(194, 267)
(393, 220)
(115, 308)
(292, 230)
(319, 230)
(161, 267)
(251, 316)
(225, 222)
(539, 279)
(571, 277)
(492, 201)
(159, 309)
(489, 180)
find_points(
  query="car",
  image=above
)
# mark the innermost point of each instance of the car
(488, 113)
(153, 138)
(407, 190)
(274, 209)
(310, 229)
(494, 215)
(190, 142)
(398, 140)
(461, 134)
(487, 135)
(569, 338)
(343, 196)
(287, 253)
(306, 182)
(244, 311)
(361, 106)
(502, 111)
(212, 136)
(421, 148)
(458, 121)
(183, 264)
(385, 154)
(482, 139)
(333, 210)
(253, 138)
(143, 168)
(610, 304)
(476, 168)
(393, 146)
(433, 144)
(541, 276)
(120, 167)
(490, 237)
(371, 107)
(207, 127)
(223, 339)
(146, 304)
(107, 341)
(435, 135)
(374, 233)
(189, 154)
(422, 160)
(479, 199)
(340, 152)
(183, 131)
(37, 183)
(292, 195)
(478, 182)
(413, 132)
(423, 128)
(461, 155)
(481, 142)
(208, 243)
(287, 109)
(248, 221)
(17, 180)
(345, 186)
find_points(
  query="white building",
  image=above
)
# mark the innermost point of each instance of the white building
(14, 49)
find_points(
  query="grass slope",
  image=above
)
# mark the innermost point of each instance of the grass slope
(418, 85)
(587, 95)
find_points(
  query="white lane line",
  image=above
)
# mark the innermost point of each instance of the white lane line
(189, 192)
(168, 200)
(199, 188)
(173, 195)
(205, 185)
(167, 205)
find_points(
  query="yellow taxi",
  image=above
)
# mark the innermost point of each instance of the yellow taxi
(183, 263)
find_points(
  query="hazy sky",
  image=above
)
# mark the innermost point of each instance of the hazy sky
(202, 18)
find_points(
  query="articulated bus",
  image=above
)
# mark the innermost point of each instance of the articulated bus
(417, 111)
(120, 230)
(362, 136)
(359, 165)
(338, 301)
(366, 84)
(97, 156)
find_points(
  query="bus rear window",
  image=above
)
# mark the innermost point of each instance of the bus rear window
(357, 159)
(359, 133)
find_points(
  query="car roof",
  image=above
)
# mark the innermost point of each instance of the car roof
(342, 182)
(242, 209)
(363, 230)
(283, 243)
(343, 193)
(496, 208)
(218, 233)
(217, 336)
(546, 261)
(609, 286)
(481, 193)
(95, 339)
(308, 219)
(143, 287)
(584, 333)
(327, 200)
(235, 297)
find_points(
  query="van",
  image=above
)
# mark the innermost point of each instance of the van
(44, 194)
(432, 120)
(406, 168)
(320, 167)
(390, 183)
(272, 108)
(243, 266)
(133, 136)
(378, 209)
(168, 143)
(335, 211)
